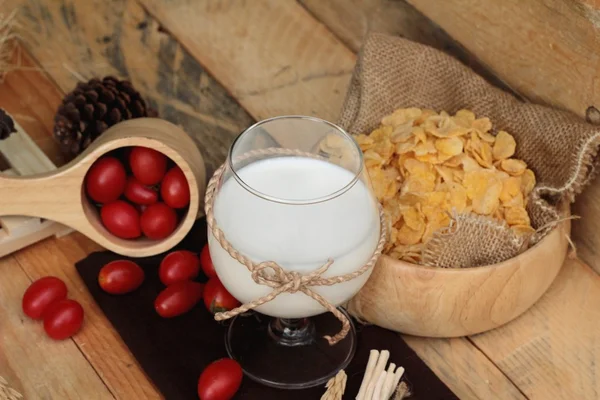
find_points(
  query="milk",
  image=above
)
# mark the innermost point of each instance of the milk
(298, 237)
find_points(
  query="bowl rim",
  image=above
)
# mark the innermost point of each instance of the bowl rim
(565, 210)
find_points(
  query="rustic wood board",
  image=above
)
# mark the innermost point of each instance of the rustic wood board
(32, 99)
(101, 345)
(75, 40)
(272, 55)
(33, 364)
(464, 368)
(552, 351)
(352, 20)
(546, 50)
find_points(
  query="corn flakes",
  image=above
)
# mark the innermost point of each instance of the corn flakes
(425, 165)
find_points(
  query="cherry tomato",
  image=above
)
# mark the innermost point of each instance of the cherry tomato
(217, 298)
(206, 262)
(148, 165)
(158, 221)
(174, 189)
(178, 298)
(177, 266)
(138, 193)
(41, 294)
(120, 277)
(63, 319)
(121, 219)
(220, 380)
(106, 180)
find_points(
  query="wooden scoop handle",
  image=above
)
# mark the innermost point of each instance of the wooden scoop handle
(60, 195)
(56, 195)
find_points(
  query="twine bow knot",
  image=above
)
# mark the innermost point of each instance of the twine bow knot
(271, 274)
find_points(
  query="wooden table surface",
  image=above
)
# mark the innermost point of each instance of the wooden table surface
(214, 67)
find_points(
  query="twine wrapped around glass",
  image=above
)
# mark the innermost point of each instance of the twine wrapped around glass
(294, 232)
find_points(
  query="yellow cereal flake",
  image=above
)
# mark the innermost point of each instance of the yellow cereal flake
(372, 159)
(482, 124)
(522, 229)
(483, 154)
(516, 216)
(513, 166)
(405, 147)
(527, 182)
(365, 142)
(424, 166)
(407, 235)
(511, 188)
(505, 146)
(402, 133)
(451, 146)
(425, 148)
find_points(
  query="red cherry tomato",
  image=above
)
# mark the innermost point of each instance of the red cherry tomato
(178, 298)
(217, 298)
(148, 165)
(120, 277)
(220, 380)
(174, 189)
(63, 319)
(180, 265)
(41, 294)
(138, 193)
(206, 262)
(121, 219)
(158, 221)
(106, 180)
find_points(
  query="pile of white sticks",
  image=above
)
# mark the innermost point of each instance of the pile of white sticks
(377, 383)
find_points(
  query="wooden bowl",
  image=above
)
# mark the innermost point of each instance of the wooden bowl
(60, 195)
(452, 302)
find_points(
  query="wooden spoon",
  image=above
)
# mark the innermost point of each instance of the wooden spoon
(60, 195)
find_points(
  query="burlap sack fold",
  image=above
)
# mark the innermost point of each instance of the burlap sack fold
(558, 146)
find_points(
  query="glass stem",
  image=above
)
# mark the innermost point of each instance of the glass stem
(292, 332)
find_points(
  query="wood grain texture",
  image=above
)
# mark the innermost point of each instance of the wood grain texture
(552, 351)
(272, 55)
(98, 341)
(33, 364)
(75, 40)
(466, 370)
(452, 302)
(36, 196)
(31, 99)
(547, 50)
(352, 20)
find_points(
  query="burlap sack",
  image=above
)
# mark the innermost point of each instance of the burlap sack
(558, 146)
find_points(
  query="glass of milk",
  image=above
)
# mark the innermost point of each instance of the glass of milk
(298, 209)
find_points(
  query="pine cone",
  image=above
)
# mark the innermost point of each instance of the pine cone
(91, 108)
(7, 125)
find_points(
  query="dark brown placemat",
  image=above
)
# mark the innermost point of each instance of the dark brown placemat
(173, 352)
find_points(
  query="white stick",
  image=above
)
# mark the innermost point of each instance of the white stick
(379, 386)
(384, 356)
(389, 380)
(397, 377)
(370, 390)
(373, 357)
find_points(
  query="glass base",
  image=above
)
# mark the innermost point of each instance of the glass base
(289, 353)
